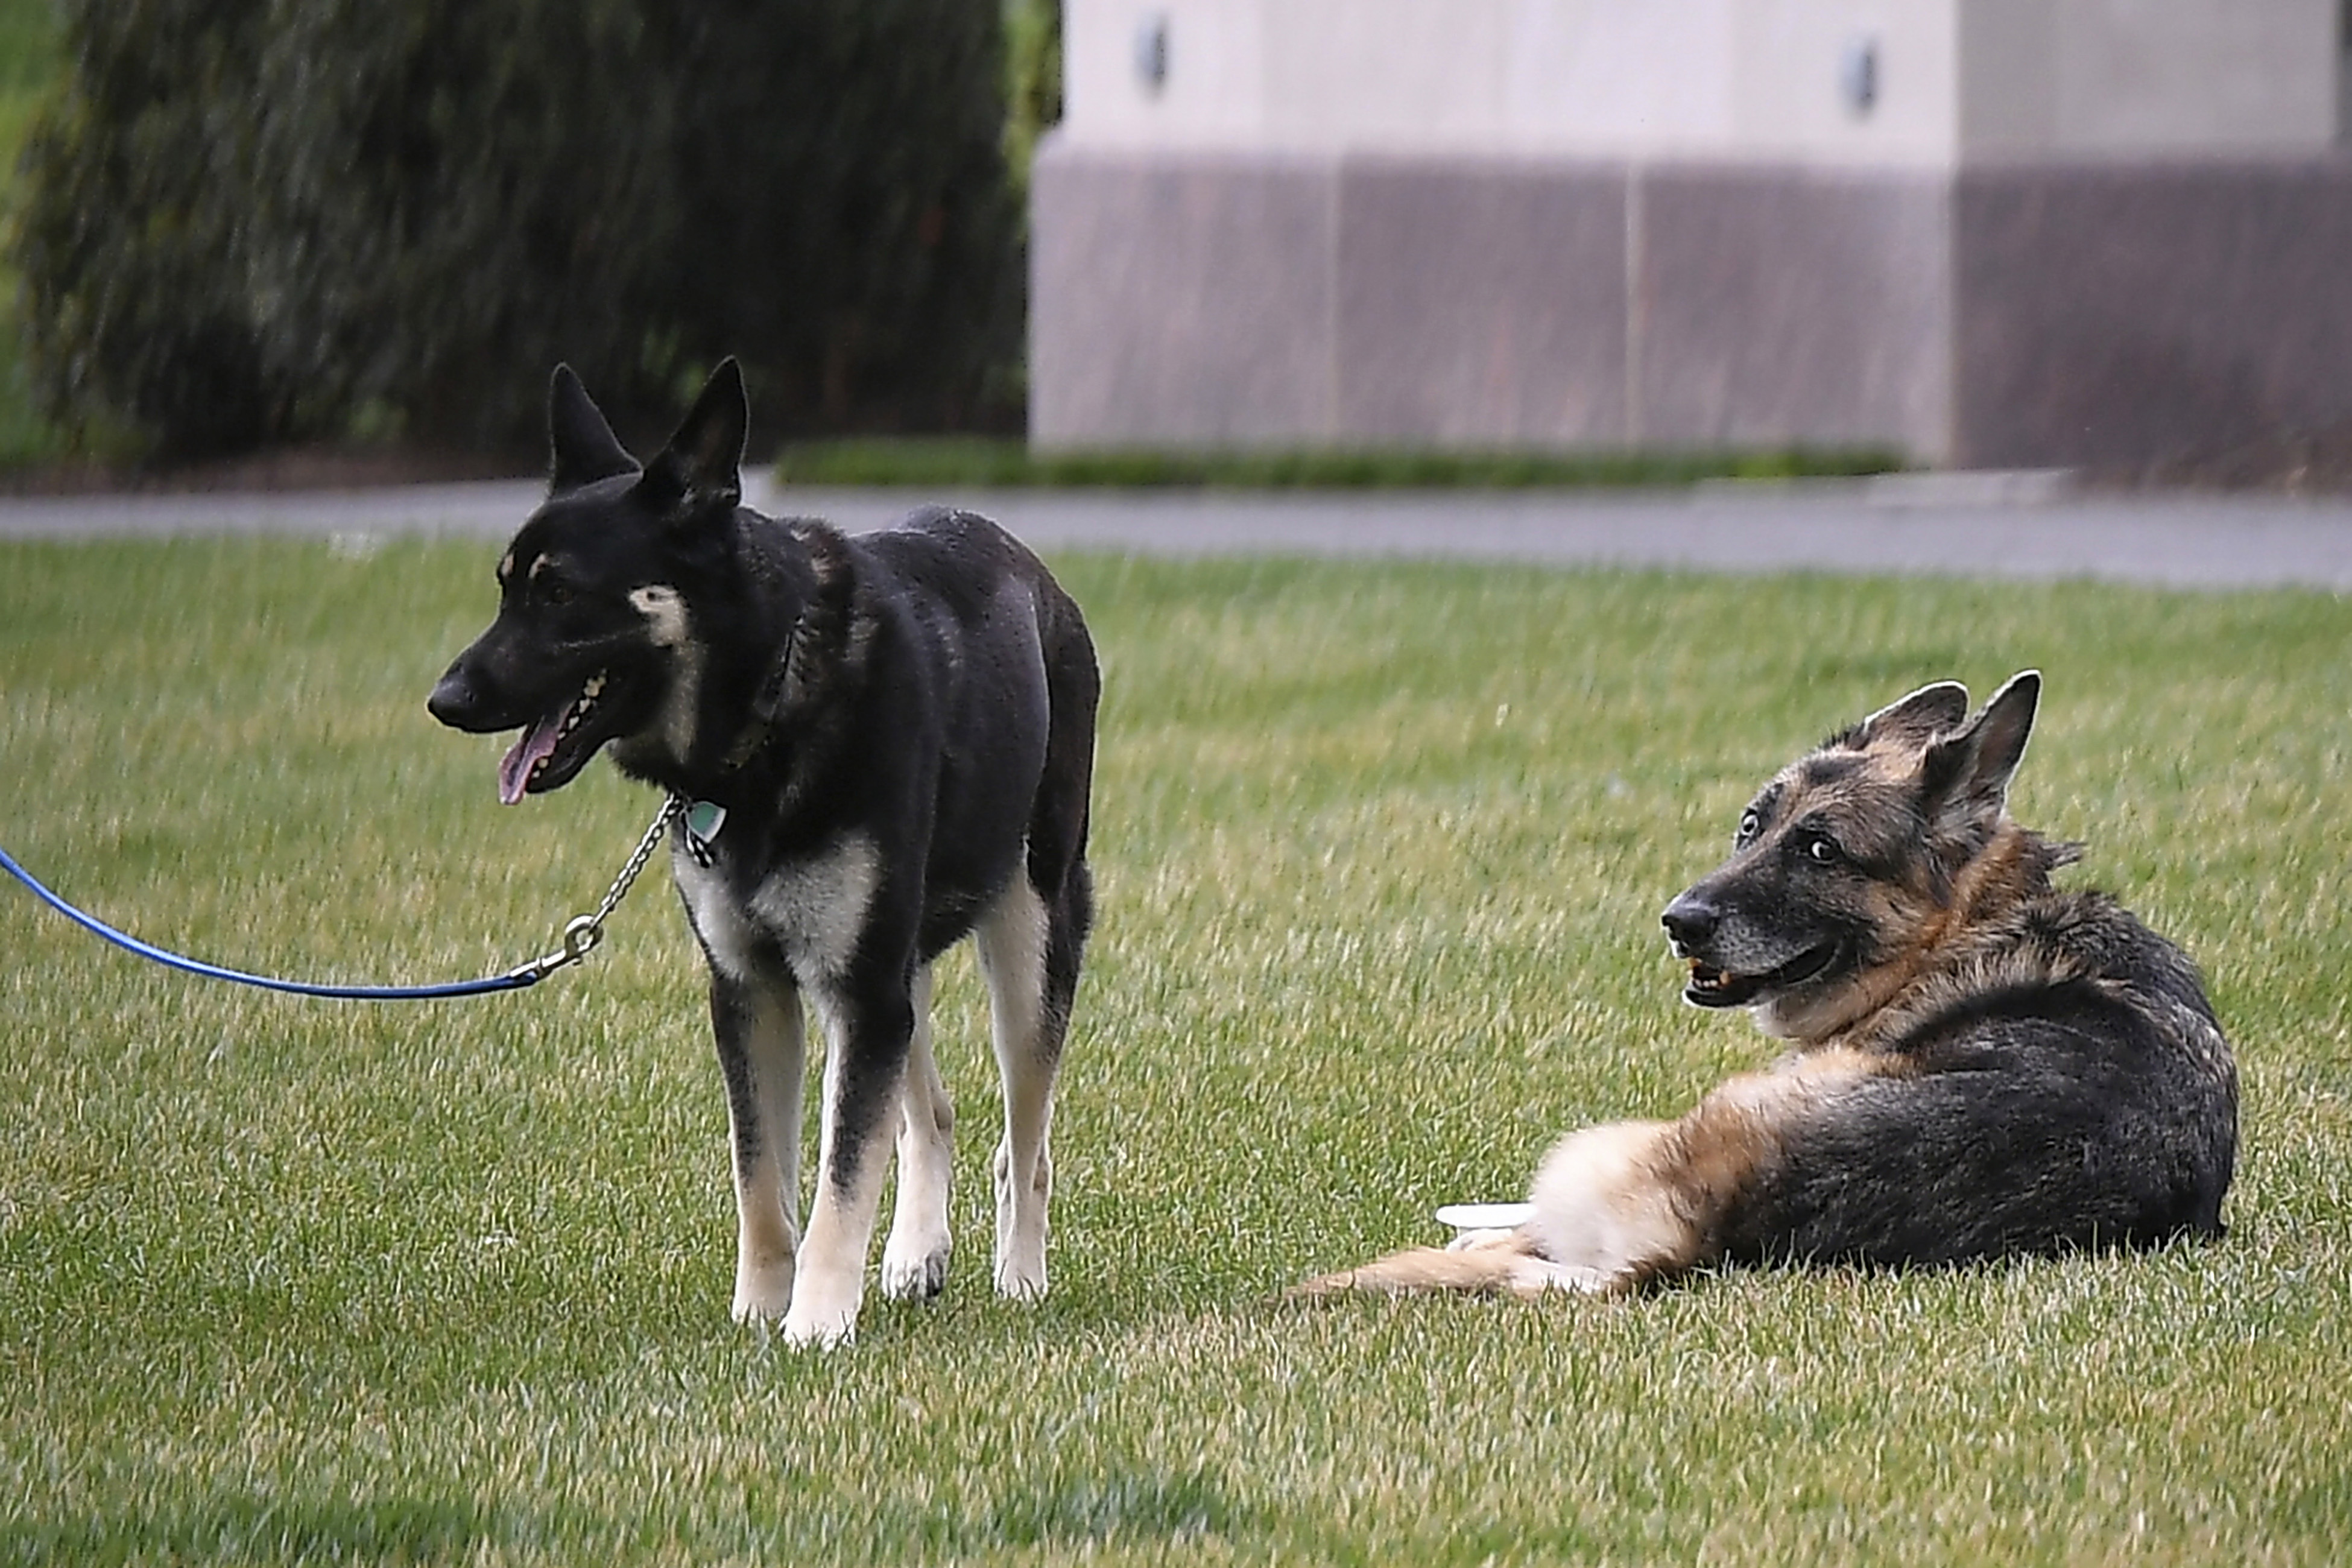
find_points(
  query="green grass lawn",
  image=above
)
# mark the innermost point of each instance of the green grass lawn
(1380, 851)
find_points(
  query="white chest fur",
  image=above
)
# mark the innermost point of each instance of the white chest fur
(812, 910)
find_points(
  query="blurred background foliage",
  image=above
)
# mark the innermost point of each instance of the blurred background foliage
(240, 223)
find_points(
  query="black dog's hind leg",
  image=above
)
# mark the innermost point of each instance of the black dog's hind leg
(1012, 939)
(1029, 953)
(868, 1033)
(761, 1051)
(1031, 941)
(915, 1258)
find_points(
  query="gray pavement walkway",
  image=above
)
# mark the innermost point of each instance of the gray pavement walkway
(1985, 525)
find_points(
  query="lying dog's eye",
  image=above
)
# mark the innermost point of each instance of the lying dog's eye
(1751, 825)
(555, 590)
(1822, 850)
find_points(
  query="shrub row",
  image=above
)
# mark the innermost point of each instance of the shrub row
(259, 220)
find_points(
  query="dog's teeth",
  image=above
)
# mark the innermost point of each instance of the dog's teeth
(582, 706)
(1703, 978)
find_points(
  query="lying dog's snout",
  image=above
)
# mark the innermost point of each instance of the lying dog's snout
(1690, 922)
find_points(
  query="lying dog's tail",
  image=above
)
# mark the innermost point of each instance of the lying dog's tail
(1505, 1263)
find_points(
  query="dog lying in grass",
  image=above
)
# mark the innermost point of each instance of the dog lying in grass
(1982, 1064)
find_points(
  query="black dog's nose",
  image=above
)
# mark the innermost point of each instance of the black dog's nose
(1689, 921)
(453, 701)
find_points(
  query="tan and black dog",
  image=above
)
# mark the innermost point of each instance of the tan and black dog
(1983, 1065)
(888, 740)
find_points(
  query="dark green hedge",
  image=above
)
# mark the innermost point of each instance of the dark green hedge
(257, 220)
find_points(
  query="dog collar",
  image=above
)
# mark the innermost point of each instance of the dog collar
(765, 703)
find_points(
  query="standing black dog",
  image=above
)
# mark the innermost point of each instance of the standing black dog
(888, 743)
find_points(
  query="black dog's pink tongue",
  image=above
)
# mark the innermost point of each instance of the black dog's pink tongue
(514, 768)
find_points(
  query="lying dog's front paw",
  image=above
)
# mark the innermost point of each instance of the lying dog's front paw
(1464, 1240)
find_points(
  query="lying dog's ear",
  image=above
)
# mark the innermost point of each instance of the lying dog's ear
(703, 464)
(1965, 774)
(582, 446)
(1930, 711)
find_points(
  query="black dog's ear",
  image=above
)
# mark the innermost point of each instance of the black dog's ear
(703, 463)
(1930, 711)
(1966, 773)
(581, 447)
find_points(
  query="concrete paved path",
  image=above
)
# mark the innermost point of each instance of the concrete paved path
(1995, 525)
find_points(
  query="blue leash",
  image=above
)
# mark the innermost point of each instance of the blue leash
(581, 936)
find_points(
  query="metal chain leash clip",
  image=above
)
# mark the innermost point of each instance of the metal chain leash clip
(582, 932)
